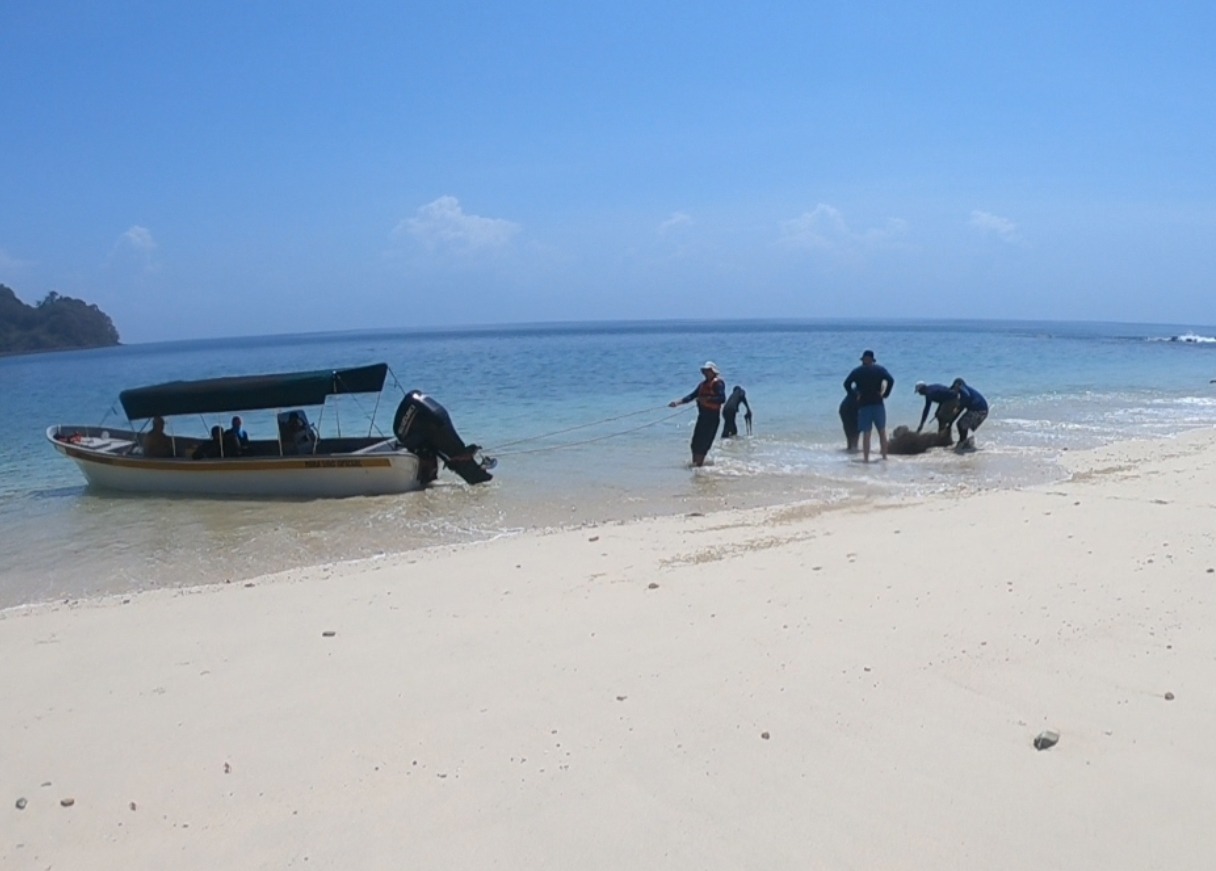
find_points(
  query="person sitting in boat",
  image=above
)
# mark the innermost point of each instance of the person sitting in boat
(236, 440)
(213, 448)
(155, 442)
(297, 436)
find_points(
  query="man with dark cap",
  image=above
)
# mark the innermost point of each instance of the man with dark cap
(872, 384)
(975, 412)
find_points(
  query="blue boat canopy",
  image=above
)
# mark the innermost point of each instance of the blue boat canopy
(249, 392)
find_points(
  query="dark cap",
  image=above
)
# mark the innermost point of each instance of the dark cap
(867, 354)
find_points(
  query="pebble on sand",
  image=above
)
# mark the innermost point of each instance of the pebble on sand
(328, 633)
(67, 802)
(764, 735)
(1046, 739)
(1169, 697)
(21, 803)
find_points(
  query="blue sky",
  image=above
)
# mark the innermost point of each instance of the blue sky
(217, 169)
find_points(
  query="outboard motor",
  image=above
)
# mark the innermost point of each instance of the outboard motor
(424, 428)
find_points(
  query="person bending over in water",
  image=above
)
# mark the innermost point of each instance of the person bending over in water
(737, 397)
(710, 395)
(947, 404)
(975, 411)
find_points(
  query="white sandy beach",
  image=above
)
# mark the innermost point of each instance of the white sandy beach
(784, 688)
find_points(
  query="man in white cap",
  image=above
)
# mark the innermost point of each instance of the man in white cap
(710, 395)
(947, 405)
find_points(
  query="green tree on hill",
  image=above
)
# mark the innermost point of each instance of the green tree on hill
(56, 323)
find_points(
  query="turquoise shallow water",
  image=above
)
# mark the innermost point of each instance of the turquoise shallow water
(1052, 386)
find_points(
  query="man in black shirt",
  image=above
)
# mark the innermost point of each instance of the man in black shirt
(730, 410)
(872, 384)
(848, 419)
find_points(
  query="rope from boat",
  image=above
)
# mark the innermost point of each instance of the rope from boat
(563, 445)
(557, 432)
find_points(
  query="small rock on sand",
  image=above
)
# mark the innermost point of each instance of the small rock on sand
(1169, 697)
(328, 633)
(764, 735)
(67, 802)
(21, 803)
(652, 586)
(1046, 739)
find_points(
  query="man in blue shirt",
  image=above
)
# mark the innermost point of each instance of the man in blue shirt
(947, 404)
(872, 384)
(975, 410)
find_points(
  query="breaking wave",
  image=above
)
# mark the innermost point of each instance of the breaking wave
(1186, 339)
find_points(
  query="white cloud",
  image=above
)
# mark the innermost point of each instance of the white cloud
(988, 223)
(139, 238)
(443, 224)
(674, 221)
(136, 246)
(9, 262)
(825, 229)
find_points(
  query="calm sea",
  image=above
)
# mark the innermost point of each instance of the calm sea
(578, 416)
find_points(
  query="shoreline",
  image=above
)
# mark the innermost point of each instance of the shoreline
(711, 493)
(765, 687)
(1061, 459)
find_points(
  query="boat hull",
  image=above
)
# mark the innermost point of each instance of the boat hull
(107, 462)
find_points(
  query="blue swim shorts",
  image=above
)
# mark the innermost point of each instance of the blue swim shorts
(871, 415)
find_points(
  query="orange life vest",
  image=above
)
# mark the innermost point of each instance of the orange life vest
(708, 396)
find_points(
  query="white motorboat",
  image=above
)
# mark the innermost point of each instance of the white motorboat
(300, 462)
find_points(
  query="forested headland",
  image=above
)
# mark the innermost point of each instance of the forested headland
(57, 323)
